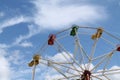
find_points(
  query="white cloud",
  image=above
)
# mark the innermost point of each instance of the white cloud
(4, 69)
(53, 77)
(50, 15)
(15, 57)
(7, 70)
(12, 65)
(59, 57)
(26, 44)
(115, 76)
(4, 66)
(33, 30)
(19, 74)
(11, 22)
(3, 46)
(18, 65)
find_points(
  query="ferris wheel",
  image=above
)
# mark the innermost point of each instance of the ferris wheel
(84, 53)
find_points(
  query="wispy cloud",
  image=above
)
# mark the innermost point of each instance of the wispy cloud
(1, 14)
(18, 41)
(9, 65)
(33, 30)
(11, 22)
(26, 44)
(119, 3)
(52, 15)
(15, 57)
(59, 57)
(18, 66)
(21, 40)
(4, 46)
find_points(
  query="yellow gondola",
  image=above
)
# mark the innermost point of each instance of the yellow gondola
(35, 60)
(97, 34)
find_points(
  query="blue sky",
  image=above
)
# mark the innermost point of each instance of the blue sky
(26, 24)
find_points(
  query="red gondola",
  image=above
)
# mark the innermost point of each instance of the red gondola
(118, 47)
(51, 39)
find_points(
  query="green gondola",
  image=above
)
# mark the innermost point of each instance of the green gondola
(74, 30)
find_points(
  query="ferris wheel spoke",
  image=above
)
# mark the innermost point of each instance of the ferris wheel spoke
(62, 63)
(80, 71)
(63, 31)
(81, 48)
(70, 77)
(70, 68)
(82, 51)
(82, 58)
(102, 60)
(107, 71)
(112, 35)
(112, 73)
(59, 50)
(100, 57)
(69, 54)
(68, 60)
(107, 62)
(96, 66)
(62, 37)
(96, 77)
(92, 53)
(59, 71)
(93, 49)
(63, 73)
(109, 42)
(49, 63)
(106, 77)
(33, 74)
(75, 51)
(42, 49)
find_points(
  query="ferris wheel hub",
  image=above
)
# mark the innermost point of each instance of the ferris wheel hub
(86, 75)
